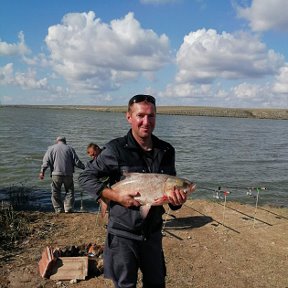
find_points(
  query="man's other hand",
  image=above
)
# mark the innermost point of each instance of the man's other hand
(177, 197)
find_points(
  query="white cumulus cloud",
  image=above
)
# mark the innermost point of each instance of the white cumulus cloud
(25, 80)
(256, 95)
(6, 74)
(206, 55)
(186, 90)
(249, 91)
(28, 80)
(96, 56)
(20, 48)
(266, 15)
(281, 81)
(233, 70)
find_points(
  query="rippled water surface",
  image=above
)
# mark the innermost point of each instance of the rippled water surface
(227, 152)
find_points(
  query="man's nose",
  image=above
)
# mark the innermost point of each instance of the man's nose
(146, 119)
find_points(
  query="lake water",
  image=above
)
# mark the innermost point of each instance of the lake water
(227, 152)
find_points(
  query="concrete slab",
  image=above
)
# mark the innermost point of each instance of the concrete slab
(68, 268)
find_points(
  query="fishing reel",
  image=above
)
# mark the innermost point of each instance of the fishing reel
(219, 194)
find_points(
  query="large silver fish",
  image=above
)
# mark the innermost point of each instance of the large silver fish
(152, 187)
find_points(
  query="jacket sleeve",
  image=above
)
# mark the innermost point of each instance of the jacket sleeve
(77, 161)
(46, 162)
(96, 174)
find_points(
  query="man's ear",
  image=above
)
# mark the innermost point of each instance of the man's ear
(128, 117)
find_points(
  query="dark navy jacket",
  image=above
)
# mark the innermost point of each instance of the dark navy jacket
(118, 157)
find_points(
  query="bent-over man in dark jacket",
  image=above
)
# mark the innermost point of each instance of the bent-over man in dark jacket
(133, 242)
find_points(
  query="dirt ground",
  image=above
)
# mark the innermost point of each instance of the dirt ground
(205, 245)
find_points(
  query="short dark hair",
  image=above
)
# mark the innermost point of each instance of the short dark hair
(141, 98)
(94, 146)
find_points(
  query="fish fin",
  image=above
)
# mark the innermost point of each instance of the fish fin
(103, 207)
(161, 201)
(126, 175)
(144, 210)
(165, 197)
(130, 174)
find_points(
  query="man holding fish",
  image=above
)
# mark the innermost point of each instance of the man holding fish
(134, 238)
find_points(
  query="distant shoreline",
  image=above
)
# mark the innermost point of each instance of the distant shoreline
(253, 113)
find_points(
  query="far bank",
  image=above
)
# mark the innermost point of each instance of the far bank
(253, 113)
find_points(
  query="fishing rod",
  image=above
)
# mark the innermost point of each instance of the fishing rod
(211, 189)
(81, 202)
(226, 193)
(248, 188)
(219, 188)
(217, 191)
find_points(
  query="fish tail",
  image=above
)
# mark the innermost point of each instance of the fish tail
(144, 210)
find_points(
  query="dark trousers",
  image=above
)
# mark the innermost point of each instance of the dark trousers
(123, 257)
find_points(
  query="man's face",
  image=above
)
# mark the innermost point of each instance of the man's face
(142, 117)
(92, 152)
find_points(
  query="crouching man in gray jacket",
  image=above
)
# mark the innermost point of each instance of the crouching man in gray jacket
(61, 159)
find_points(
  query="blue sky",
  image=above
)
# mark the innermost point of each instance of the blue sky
(184, 52)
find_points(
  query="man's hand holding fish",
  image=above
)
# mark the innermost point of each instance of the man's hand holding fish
(125, 198)
(177, 197)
